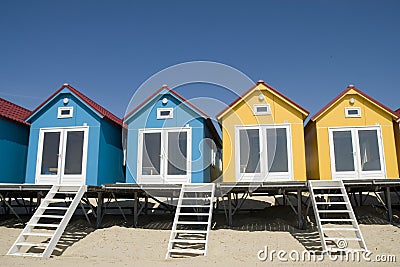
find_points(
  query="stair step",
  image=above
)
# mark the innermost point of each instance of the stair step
(26, 254)
(196, 198)
(38, 234)
(336, 220)
(329, 195)
(188, 222)
(190, 231)
(57, 200)
(332, 203)
(49, 216)
(334, 211)
(53, 208)
(193, 214)
(339, 229)
(195, 206)
(29, 244)
(335, 187)
(191, 241)
(190, 251)
(44, 225)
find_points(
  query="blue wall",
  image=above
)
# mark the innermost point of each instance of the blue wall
(98, 138)
(13, 151)
(110, 156)
(146, 117)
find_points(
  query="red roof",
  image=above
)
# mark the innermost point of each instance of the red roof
(13, 112)
(272, 89)
(102, 111)
(171, 91)
(362, 94)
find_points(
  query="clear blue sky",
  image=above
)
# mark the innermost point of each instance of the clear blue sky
(308, 50)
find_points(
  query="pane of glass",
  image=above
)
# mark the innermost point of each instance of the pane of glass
(74, 152)
(249, 151)
(177, 153)
(277, 150)
(151, 153)
(51, 142)
(369, 150)
(165, 113)
(343, 147)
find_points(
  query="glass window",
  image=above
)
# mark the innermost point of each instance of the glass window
(50, 153)
(369, 150)
(277, 150)
(151, 153)
(177, 153)
(249, 151)
(74, 152)
(343, 149)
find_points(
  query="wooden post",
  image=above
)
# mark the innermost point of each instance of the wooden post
(230, 220)
(299, 213)
(135, 210)
(389, 204)
(99, 211)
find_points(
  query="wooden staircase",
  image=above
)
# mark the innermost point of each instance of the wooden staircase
(192, 222)
(337, 224)
(43, 231)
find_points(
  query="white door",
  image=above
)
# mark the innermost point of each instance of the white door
(356, 153)
(164, 156)
(62, 155)
(263, 153)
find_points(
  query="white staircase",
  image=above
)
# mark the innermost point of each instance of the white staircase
(337, 224)
(43, 231)
(192, 223)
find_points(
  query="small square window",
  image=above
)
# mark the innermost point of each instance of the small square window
(353, 112)
(165, 113)
(65, 112)
(261, 109)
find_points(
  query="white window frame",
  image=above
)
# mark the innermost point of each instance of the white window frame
(264, 174)
(164, 177)
(61, 109)
(256, 112)
(61, 178)
(347, 115)
(357, 173)
(161, 117)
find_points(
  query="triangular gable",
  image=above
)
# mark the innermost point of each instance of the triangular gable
(13, 112)
(349, 89)
(99, 110)
(166, 89)
(282, 97)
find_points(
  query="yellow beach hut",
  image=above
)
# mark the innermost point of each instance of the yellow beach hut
(263, 137)
(352, 137)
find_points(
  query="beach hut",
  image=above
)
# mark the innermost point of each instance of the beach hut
(262, 133)
(14, 136)
(170, 141)
(352, 137)
(74, 141)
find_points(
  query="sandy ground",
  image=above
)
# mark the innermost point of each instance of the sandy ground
(117, 244)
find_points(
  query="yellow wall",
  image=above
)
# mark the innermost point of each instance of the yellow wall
(281, 113)
(371, 115)
(396, 127)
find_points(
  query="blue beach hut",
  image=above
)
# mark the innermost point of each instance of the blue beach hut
(74, 141)
(14, 136)
(171, 141)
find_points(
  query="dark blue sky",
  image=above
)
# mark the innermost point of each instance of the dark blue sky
(308, 50)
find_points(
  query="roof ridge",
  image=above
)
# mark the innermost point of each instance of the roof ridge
(344, 92)
(97, 107)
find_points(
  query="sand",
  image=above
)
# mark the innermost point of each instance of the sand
(118, 244)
